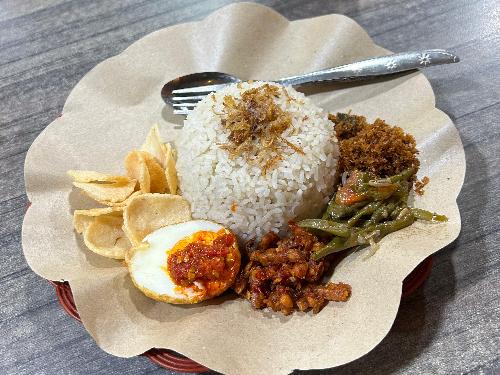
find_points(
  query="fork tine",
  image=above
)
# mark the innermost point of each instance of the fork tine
(187, 98)
(184, 105)
(200, 90)
(181, 112)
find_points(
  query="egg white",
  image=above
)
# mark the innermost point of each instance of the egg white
(145, 264)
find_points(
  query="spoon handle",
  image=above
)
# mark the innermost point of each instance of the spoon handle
(374, 67)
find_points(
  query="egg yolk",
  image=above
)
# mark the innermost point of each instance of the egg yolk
(205, 257)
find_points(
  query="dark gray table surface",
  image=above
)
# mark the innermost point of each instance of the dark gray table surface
(450, 326)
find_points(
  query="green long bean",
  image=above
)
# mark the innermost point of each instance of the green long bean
(384, 210)
(361, 236)
(337, 211)
(397, 211)
(404, 219)
(337, 229)
(427, 215)
(334, 246)
(404, 175)
(381, 213)
(367, 210)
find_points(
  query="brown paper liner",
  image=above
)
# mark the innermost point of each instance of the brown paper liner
(173, 361)
(162, 357)
(110, 111)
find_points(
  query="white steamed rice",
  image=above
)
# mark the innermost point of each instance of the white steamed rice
(298, 187)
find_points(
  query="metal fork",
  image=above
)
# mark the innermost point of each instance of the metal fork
(185, 92)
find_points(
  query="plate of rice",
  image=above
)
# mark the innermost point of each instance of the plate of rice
(234, 190)
(306, 204)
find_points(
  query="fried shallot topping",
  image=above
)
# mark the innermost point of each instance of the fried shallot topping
(420, 184)
(255, 125)
(281, 275)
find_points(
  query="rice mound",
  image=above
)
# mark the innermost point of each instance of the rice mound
(237, 194)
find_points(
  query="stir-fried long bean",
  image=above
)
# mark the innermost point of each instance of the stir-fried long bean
(381, 213)
(404, 175)
(337, 229)
(396, 212)
(336, 211)
(365, 209)
(362, 236)
(369, 209)
(427, 215)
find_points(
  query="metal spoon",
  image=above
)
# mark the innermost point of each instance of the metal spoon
(183, 93)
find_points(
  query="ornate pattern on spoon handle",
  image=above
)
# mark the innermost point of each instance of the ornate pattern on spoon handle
(375, 67)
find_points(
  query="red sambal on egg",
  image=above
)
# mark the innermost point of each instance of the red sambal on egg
(206, 260)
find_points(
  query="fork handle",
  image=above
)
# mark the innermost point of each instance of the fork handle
(374, 67)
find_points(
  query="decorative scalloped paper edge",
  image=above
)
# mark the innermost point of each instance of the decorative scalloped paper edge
(101, 104)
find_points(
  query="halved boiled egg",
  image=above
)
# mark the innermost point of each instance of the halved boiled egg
(185, 263)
